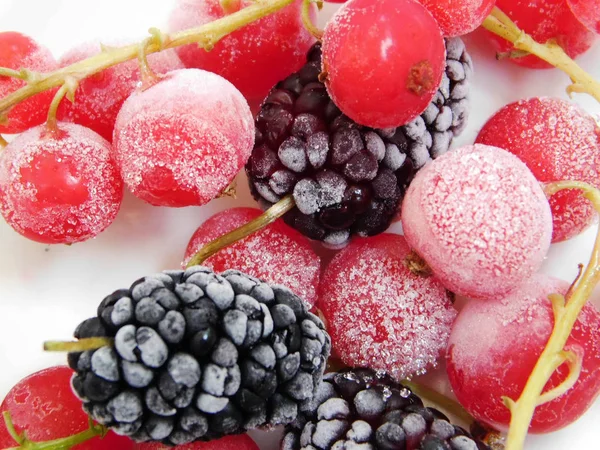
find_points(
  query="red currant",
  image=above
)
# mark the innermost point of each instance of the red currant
(587, 12)
(253, 58)
(100, 97)
(60, 187)
(494, 346)
(383, 60)
(458, 18)
(18, 51)
(545, 20)
(44, 407)
(557, 141)
(277, 254)
(236, 442)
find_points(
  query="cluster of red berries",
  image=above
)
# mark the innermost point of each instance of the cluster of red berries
(476, 220)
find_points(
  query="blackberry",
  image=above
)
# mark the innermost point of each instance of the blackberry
(198, 356)
(357, 409)
(345, 178)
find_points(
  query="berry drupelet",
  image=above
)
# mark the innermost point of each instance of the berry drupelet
(198, 356)
(345, 178)
(358, 409)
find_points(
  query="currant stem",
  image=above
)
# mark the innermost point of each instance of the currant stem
(65, 443)
(206, 35)
(307, 20)
(269, 216)
(3, 142)
(522, 410)
(82, 345)
(500, 24)
(51, 121)
(147, 74)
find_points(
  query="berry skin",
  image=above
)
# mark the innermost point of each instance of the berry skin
(171, 147)
(383, 60)
(237, 442)
(544, 20)
(379, 314)
(480, 220)
(495, 345)
(275, 254)
(458, 18)
(361, 408)
(347, 179)
(253, 58)
(59, 188)
(99, 98)
(557, 141)
(198, 356)
(43, 406)
(587, 12)
(18, 51)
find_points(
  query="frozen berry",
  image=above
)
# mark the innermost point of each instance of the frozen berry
(60, 187)
(99, 98)
(237, 442)
(275, 254)
(587, 12)
(171, 147)
(44, 407)
(480, 219)
(495, 345)
(458, 18)
(253, 58)
(558, 141)
(379, 314)
(18, 51)
(375, 72)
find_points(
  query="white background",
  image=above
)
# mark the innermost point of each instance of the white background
(46, 291)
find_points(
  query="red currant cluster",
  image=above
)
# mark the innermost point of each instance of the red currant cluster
(349, 136)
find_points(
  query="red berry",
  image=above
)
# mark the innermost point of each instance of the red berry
(381, 315)
(480, 219)
(18, 51)
(59, 188)
(43, 406)
(494, 346)
(172, 147)
(100, 97)
(587, 12)
(236, 442)
(253, 58)
(384, 60)
(277, 254)
(557, 141)
(458, 18)
(544, 20)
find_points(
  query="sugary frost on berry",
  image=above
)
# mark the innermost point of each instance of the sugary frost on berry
(458, 18)
(59, 188)
(379, 314)
(99, 98)
(544, 20)
(558, 141)
(587, 12)
(18, 51)
(275, 254)
(480, 219)
(494, 346)
(182, 141)
(253, 58)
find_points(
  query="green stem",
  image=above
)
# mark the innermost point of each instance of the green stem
(81, 345)
(66, 443)
(307, 20)
(269, 216)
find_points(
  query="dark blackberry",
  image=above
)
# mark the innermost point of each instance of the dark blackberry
(345, 178)
(198, 356)
(357, 409)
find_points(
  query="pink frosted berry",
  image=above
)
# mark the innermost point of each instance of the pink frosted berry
(277, 254)
(480, 219)
(60, 187)
(495, 345)
(100, 97)
(381, 315)
(253, 58)
(183, 140)
(558, 141)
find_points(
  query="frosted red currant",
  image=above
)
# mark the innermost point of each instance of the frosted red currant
(458, 18)
(587, 12)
